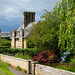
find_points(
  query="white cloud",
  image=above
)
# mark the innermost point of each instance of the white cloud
(11, 9)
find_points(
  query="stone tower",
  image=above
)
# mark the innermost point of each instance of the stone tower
(28, 17)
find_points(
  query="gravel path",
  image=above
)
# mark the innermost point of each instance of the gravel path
(17, 72)
(1, 72)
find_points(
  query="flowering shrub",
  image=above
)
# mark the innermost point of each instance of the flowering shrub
(46, 57)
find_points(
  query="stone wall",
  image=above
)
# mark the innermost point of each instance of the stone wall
(38, 69)
(15, 62)
(33, 67)
(13, 42)
(17, 43)
(25, 43)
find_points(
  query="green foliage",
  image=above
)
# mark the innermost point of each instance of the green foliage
(66, 13)
(45, 33)
(57, 29)
(0, 41)
(5, 43)
(4, 69)
(25, 71)
(4, 47)
(18, 68)
(66, 66)
(20, 53)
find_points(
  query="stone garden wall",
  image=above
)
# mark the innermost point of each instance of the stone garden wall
(15, 62)
(33, 67)
(38, 69)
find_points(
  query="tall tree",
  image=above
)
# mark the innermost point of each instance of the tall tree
(67, 25)
(45, 35)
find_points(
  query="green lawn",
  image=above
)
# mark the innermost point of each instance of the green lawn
(4, 69)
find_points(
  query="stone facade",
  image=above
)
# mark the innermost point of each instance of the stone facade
(28, 17)
(18, 39)
(38, 69)
(13, 42)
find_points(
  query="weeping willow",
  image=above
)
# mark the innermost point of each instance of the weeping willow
(66, 14)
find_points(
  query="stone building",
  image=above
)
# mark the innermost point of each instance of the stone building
(5, 35)
(18, 39)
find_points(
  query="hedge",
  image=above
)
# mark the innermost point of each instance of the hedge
(22, 53)
(4, 47)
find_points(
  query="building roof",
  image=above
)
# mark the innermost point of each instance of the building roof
(5, 35)
(27, 29)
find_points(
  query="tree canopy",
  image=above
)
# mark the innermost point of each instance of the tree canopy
(57, 30)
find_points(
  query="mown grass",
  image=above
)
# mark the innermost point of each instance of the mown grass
(4, 69)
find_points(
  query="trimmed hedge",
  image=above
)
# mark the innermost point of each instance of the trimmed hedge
(22, 53)
(4, 47)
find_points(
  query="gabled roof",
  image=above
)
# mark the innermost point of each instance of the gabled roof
(5, 35)
(27, 29)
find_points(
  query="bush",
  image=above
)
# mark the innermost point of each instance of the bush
(5, 43)
(18, 68)
(4, 47)
(46, 57)
(20, 53)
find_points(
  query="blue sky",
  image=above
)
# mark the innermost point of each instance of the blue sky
(11, 11)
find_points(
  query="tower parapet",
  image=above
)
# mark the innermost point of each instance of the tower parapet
(28, 17)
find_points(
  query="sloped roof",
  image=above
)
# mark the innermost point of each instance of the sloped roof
(17, 34)
(6, 35)
(27, 29)
(21, 27)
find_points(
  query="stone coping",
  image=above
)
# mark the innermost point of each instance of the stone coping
(16, 58)
(55, 68)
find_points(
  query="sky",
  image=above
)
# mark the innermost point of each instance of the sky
(11, 11)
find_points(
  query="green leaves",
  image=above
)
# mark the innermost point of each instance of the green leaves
(66, 31)
(57, 29)
(45, 34)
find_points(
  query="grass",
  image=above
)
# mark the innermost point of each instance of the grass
(65, 66)
(68, 66)
(26, 57)
(4, 69)
(20, 69)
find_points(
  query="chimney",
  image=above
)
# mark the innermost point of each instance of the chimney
(0, 30)
(28, 17)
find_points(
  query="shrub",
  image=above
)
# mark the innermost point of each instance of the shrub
(5, 47)
(25, 71)
(18, 68)
(20, 53)
(5, 43)
(46, 57)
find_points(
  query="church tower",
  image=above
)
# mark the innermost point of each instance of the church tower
(28, 17)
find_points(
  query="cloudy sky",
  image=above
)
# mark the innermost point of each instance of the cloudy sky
(11, 11)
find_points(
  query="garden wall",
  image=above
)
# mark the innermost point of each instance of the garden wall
(38, 69)
(33, 67)
(15, 62)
